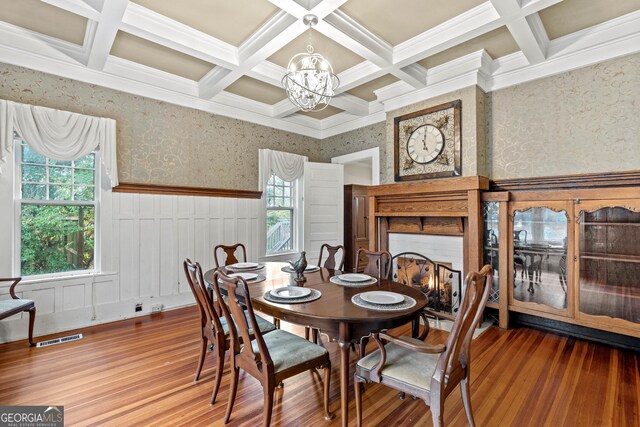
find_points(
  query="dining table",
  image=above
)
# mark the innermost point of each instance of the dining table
(334, 313)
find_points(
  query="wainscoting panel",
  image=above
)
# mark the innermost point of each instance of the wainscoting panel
(145, 238)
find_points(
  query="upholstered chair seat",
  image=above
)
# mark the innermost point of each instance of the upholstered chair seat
(14, 304)
(402, 364)
(288, 350)
(17, 305)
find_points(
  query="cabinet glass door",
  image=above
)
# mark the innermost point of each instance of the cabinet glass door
(609, 260)
(539, 256)
(491, 215)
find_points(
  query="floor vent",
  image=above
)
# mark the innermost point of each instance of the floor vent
(59, 340)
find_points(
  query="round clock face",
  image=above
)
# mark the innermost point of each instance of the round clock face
(425, 144)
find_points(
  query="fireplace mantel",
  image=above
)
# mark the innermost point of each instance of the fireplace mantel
(448, 206)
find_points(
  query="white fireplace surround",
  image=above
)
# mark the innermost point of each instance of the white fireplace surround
(435, 247)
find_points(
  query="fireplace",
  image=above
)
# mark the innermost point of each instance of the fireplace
(439, 219)
(432, 264)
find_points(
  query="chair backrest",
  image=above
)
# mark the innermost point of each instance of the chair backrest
(379, 263)
(209, 309)
(238, 322)
(332, 252)
(456, 355)
(230, 251)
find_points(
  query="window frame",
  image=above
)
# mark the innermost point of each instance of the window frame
(294, 209)
(19, 202)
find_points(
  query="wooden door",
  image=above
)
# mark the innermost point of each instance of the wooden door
(323, 202)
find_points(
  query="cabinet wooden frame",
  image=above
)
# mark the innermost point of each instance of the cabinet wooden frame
(517, 305)
(608, 323)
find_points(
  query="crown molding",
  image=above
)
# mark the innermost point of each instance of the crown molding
(618, 37)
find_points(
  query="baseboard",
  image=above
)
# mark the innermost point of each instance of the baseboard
(576, 331)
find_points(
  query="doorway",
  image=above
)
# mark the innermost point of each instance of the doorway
(361, 167)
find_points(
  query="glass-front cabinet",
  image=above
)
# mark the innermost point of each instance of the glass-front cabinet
(540, 247)
(608, 263)
(491, 250)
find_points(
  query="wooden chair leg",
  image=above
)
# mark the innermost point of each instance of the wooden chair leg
(232, 393)
(268, 389)
(363, 346)
(466, 400)
(203, 352)
(32, 321)
(358, 386)
(327, 378)
(437, 412)
(219, 371)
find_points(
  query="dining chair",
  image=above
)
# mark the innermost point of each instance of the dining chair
(378, 265)
(230, 251)
(332, 253)
(272, 357)
(429, 372)
(17, 305)
(231, 258)
(213, 327)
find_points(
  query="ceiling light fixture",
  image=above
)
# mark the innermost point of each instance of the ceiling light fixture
(310, 82)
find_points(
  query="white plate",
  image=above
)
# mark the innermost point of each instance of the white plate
(354, 277)
(310, 267)
(245, 276)
(290, 292)
(244, 265)
(382, 297)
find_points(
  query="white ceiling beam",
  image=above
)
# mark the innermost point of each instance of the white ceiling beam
(414, 74)
(283, 109)
(78, 7)
(274, 35)
(347, 32)
(105, 33)
(351, 104)
(157, 28)
(527, 31)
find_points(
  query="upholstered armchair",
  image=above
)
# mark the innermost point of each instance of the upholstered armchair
(17, 305)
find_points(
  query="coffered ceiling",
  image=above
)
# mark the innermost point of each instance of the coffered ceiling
(229, 57)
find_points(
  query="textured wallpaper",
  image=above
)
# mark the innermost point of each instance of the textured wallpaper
(583, 121)
(158, 142)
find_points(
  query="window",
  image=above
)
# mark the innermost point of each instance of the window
(57, 212)
(280, 215)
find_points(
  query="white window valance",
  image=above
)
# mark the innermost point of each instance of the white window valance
(59, 135)
(287, 166)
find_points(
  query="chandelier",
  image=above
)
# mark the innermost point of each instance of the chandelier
(310, 82)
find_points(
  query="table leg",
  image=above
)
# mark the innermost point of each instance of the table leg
(345, 346)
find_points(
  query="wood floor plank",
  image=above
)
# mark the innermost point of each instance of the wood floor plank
(140, 372)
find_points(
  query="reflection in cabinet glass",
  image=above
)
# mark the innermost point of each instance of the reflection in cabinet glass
(610, 263)
(491, 212)
(540, 256)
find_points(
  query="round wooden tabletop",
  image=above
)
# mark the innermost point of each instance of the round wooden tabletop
(334, 306)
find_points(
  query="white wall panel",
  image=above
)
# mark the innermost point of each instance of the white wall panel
(148, 238)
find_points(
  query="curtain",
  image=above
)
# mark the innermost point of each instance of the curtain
(286, 165)
(60, 135)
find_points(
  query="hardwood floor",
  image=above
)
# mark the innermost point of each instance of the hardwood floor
(140, 372)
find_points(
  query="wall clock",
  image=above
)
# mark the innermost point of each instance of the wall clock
(427, 143)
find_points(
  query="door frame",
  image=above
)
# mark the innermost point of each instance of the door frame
(372, 154)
